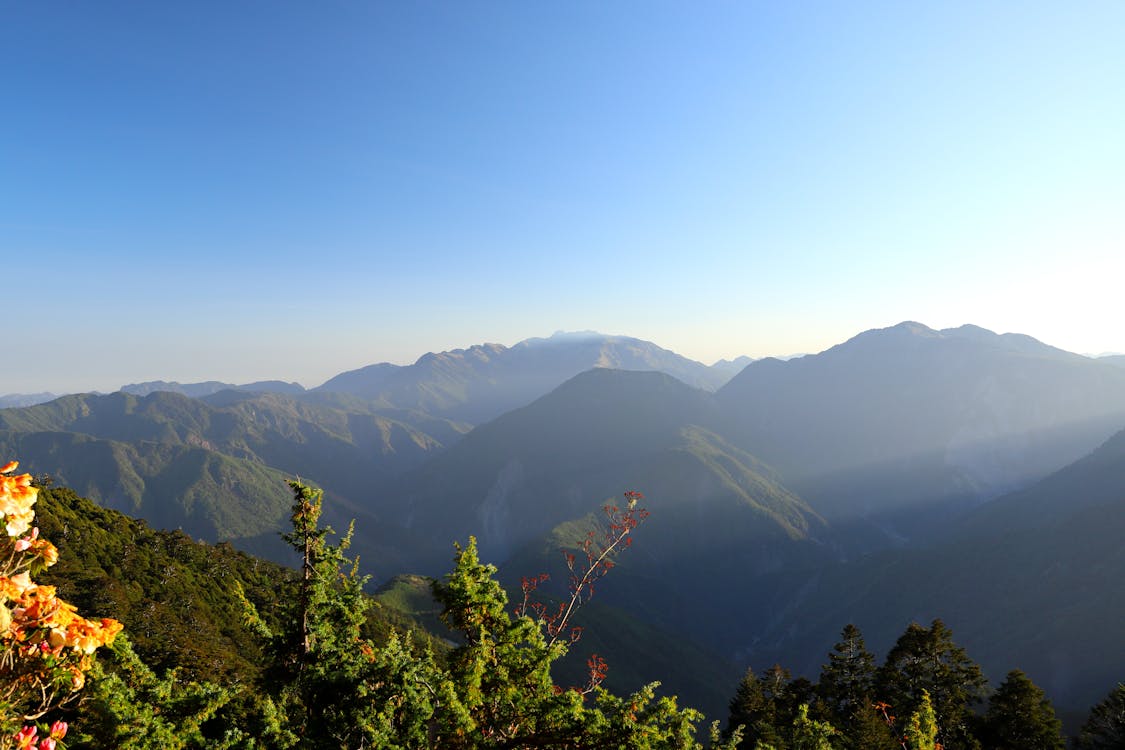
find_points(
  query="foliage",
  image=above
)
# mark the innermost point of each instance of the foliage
(499, 692)
(921, 729)
(46, 647)
(1020, 716)
(849, 711)
(327, 684)
(927, 661)
(847, 681)
(1105, 728)
(810, 734)
(846, 694)
(768, 705)
(326, 681)
(127, 706)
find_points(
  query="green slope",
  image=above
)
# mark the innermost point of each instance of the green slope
(175, 596)
(204, 493)
(215, 467)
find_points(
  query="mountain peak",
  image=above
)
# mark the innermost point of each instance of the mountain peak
(565, 337)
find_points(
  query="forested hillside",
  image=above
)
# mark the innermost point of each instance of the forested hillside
(266, 658)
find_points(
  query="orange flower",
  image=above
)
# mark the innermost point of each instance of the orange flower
(16, 498)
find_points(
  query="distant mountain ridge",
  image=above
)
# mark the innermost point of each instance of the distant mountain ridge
(1113, 359)
(18, 400)
(908, 418)
(214, 466)
(198, 390)
(484, 381)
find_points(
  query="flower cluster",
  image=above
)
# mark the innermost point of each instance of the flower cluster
(28, 737)
(45, 645)
(16, 498)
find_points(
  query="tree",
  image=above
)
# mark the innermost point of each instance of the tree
(127, 707)
(845, 694)
(325, 683)
(810, 734)
(329, 686)
(761, 705)
(927, 660)
(1105, 727)
(754, 712)
(499, 692)
(847, 681)
(1020, 717)
(921, 730)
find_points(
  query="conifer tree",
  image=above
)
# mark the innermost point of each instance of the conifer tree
(1020, 717)
(927, 659)
(499, 692)
(921, 730)
(1105, 727)
(326, 684)
(766, 705)
(847, 681)
(810, 734)
(846, 698)
(754, 712)
(127, 707)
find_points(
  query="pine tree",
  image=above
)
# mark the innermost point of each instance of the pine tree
(1105, 727)
(927, 659)
(847, 681)
(1020, 717)
(768, 704)
(845, 695)
(128, 707)
(499, 692)
(326, 684)
(810, 734)
(752, 710)
(921, 729)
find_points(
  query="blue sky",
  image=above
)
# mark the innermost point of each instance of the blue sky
(240, 191)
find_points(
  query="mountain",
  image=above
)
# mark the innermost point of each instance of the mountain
(1113, 359)
(482, 382)
(1031, 579)
(16, 400)
(206, 494)
(513, 479)
(215, 467)
(198, 390)
(731, 367)
(905, 425)
(533, 481)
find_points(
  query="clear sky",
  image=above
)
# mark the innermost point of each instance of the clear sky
(248, 190)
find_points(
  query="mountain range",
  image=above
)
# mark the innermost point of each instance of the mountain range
(904, 474)
(482, 382)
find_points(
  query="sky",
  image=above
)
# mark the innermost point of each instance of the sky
(287, 190)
